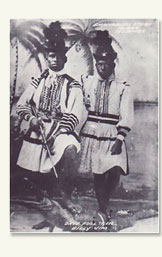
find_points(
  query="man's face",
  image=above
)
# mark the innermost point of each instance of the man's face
(104, 68)
(55, 61)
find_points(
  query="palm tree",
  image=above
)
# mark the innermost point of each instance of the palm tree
(81, 34)
(29, 35)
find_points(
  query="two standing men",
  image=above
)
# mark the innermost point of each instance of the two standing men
(60, 104)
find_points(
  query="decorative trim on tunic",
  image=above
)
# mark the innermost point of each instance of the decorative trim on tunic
(37, 141)
(49, 103)
(122, 132)
(102, 94)
(69, 121)
(35, 82)
(98, 138)
(103, 118)
(25, 112)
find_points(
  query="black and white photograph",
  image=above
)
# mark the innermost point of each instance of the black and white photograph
(84, 97)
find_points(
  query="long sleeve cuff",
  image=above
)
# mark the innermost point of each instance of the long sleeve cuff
(68, 122)
(24, 112)
(122, 132)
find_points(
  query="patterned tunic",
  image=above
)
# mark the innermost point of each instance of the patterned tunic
(110, 116)
(58, 99)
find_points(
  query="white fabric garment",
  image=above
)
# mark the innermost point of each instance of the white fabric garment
(33, 156)
(95, 153)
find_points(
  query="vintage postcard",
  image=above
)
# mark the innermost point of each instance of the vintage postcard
(84, 126)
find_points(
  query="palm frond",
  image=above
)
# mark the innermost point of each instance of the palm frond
(27, 45)
(71, 25)
(36, 44)
(76, 36)
(38, 24)
(21, 28)
(37, 34)
(90, 23)
(29, 60)
(73, 32)
(79, 22)
(72, 40)
(27, 24)
(115, 41)
(83, 23)
(99, 22)
(88, 57)
(36, 58)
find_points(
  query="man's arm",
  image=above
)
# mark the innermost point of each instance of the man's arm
(24, 109)
(127, 118)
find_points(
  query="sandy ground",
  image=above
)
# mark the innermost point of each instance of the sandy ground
(149, 225)
(22, 221)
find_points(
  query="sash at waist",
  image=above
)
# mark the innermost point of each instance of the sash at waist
(40, 142)
(48, 118)
(103, 118)
(98, 138)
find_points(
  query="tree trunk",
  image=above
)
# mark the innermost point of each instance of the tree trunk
(13, 88)
(88, 57)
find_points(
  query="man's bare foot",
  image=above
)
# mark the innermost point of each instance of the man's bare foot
(44, 224)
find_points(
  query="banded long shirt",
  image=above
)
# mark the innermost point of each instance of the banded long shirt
(58, 100)
(110, 116)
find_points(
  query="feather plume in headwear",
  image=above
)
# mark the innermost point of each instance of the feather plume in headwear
(104, 50)
(55, 38)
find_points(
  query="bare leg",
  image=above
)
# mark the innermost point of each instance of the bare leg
(69, 161)
(105, 184)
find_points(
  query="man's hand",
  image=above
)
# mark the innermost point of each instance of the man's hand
(117, 147)
(34, 124)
